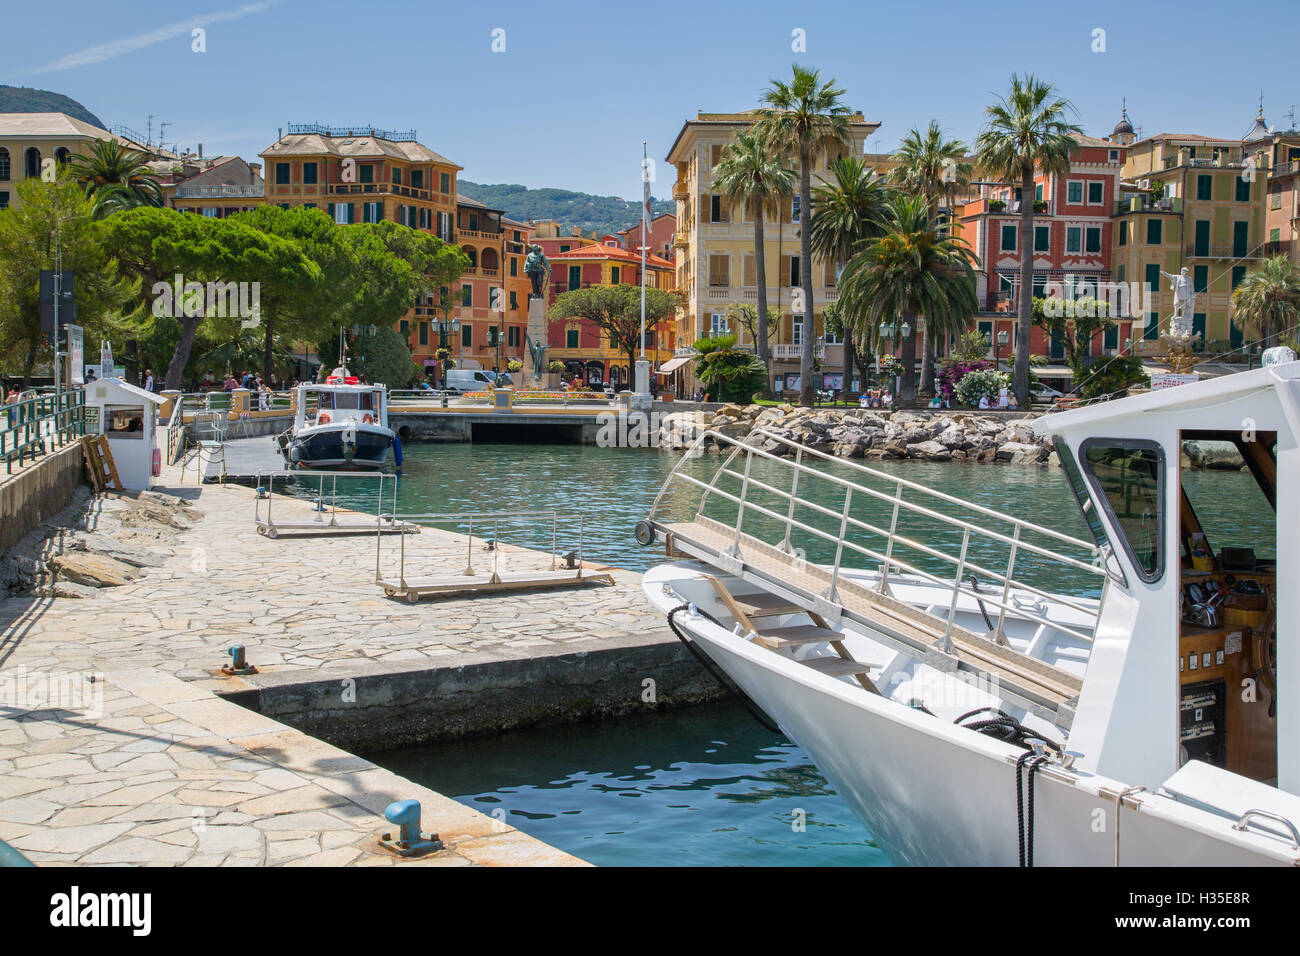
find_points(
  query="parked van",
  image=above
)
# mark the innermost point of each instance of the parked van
(462, 380)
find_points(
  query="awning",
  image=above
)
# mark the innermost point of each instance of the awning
(672, 365)
(1051, 371)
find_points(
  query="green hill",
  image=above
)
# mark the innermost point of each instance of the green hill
(600, 214)
(24, 99)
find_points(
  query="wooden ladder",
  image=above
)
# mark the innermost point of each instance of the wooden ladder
(763, 605)
(99, 462)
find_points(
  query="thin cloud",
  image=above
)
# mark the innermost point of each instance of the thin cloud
(116, 48)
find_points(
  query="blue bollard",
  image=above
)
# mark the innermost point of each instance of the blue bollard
(411, 841)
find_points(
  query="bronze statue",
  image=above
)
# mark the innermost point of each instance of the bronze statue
(538, 270)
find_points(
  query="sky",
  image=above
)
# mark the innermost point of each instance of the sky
(563, 94)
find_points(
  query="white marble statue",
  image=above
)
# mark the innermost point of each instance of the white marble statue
(1184, 301)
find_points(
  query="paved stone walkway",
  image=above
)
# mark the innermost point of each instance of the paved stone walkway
(170, 773)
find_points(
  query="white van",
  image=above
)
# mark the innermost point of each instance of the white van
(462, 380)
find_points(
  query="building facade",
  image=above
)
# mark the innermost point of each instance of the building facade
(1196, 202)
(28, 140)
(1282, 215)
(1071, 243)
(715, 260)
(583, 348)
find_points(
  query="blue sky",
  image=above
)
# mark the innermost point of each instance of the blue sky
(581, 84)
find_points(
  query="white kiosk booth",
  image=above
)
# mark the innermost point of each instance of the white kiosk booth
(128, 417)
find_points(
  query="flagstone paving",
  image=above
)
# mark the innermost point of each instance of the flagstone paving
(171, 774)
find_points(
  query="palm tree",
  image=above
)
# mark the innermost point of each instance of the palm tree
(806, 117)
(1026, 133)
(116, 177)
(752, 174)
(931, 166)
(912, 269)
(1267, 302)
(846, 212)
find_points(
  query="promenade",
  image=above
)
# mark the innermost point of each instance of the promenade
(154, 765)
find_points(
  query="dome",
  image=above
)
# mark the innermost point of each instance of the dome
(1123, 126)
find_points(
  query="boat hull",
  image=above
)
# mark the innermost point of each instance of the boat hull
(340, 447)
(934, 794)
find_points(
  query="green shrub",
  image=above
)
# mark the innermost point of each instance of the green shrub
(980, 383)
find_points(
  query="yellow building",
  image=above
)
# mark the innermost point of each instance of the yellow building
(1196, 202)
(715, 261)
(27, 140)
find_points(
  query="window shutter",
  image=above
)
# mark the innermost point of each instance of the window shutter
(379, 210)
(331, 210)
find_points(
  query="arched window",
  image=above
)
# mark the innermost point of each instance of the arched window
(489, 258)
(4, 164)
(473, 256)
(32, 162)
(62, 155)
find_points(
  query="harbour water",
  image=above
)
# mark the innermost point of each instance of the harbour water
(701, 786)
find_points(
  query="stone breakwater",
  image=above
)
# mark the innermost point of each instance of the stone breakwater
(867, 433)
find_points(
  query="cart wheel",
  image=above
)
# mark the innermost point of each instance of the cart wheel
(389, 592)
(272, 533)
(261, 531)
(412, 597)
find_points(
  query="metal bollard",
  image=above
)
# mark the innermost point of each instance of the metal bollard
(411, 841)
(238, 662)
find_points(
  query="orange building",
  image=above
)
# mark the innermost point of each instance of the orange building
(659, 237)
(581, 346)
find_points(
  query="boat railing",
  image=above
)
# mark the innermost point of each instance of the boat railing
(485, 521)
(898, 552)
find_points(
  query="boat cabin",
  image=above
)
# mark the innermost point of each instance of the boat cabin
(1198, 640)
(341, 401)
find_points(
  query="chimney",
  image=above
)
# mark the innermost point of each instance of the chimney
(200, 150)
(279, 134)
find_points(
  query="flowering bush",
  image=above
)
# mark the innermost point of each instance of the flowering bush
(978, 384)
(890, 366)
(953, 371)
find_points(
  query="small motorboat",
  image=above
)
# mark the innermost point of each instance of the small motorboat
(341, 424)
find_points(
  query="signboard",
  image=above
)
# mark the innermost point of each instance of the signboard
(52, 287)
(1171, 379)
(106, 359)
(76, 355)
(92, 419)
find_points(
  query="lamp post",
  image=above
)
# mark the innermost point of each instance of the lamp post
(1000, 340)
(445, 324)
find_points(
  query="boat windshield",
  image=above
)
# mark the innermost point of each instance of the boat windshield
(1129, 478)
(352, 400)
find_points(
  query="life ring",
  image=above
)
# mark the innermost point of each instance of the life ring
(367, 419)
(323, 418)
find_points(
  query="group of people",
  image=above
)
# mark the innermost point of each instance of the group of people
(876, 398)
(1004, 400)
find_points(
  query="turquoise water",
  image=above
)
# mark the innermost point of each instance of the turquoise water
(701, 786)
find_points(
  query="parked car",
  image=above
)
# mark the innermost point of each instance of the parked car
(462, 380)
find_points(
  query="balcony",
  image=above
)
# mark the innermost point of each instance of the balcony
(681, 240)
(480, 234)
(1221, 250)
(788, 351)
(220, 192)
(681, 190)
(377, 189)
(1133, 204)
(1283, 248)
(1285, 169)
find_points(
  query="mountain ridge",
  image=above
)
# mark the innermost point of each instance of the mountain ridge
(591, 213)
(27, 99)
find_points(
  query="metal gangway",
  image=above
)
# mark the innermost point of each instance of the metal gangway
(331, 519)
(567, 570)
(780, 513)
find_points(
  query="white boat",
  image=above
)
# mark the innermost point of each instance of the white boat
(348, 428)
(1137, 716)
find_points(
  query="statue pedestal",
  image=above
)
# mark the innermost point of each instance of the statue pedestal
(642, 398)
(535, 370)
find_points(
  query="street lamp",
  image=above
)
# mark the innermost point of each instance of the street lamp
(1001, 339)
(445, 325)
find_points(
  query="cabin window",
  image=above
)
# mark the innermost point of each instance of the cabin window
(1086, 505)
(1128, 477)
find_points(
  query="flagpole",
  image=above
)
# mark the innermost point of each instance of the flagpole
(645, 211)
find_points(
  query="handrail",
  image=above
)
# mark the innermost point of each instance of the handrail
(893, 537)
(39, 424)
(483, 517)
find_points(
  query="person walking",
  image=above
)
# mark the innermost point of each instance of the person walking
(148, 380)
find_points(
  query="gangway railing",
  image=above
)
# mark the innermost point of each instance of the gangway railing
(328, 520)
(564, 569)
(975, 523)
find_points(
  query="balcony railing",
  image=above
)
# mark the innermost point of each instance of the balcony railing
(1221, 250)
(220, 192)
(1133, 204)
(1282, 248)
(1286, 169)
(787, 350)
(377, 189)
(480, 234)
